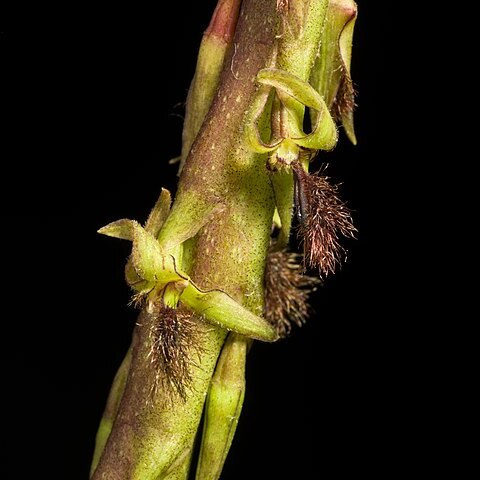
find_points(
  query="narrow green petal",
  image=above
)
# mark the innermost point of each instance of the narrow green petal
(292, 85)
(252, 134)
(293, 91)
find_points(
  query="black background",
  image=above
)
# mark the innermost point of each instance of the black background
(93, 112)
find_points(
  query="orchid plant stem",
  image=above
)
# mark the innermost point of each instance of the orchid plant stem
(202, 259)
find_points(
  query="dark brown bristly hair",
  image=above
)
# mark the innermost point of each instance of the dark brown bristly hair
(286, 291)
(174, 339)
(344, 102)
(325, 219)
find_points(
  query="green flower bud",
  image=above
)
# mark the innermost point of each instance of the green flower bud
(223, 407)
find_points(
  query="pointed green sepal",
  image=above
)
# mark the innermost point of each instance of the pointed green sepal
(122, 229)
(159, 213)
(218, 308)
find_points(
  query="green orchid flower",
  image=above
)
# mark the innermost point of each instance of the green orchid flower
(153, 269)
(292, 96)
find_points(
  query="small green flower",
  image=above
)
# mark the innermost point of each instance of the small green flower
(154, 271)
(293, 95)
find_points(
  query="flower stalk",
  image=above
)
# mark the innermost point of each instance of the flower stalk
(201, 267)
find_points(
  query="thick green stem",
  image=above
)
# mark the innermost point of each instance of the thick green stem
(225, 191)
(152, 438)
(225, 398)
(149, 442)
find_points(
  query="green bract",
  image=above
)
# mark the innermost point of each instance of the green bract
(331, 73)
